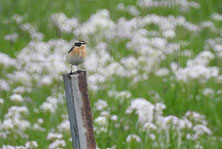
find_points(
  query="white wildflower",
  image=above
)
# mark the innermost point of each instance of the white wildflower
(13, 147)
(210, 25)
(198, 146)
(126, 127)
(31, 144)
(120, 6)
(152, 136)
(52, 136)
(99, 23)
(113, 147)
(20, 90)
(14, 118)
(200, 130)
(101, 120)
(35, 35)
(216, 17)
(50, 105)
(101, 104)
(40, 120)
(196, 117)
(133, 10)
(169, 33)
(18, 18)
(155, 95)
(6, 61)
(20, 76)
(215, 44)
(114, 117)
(144, 109)
(162, 72)
(27, 27)
(149, 126)
(132, 137)
(16, 111)
(187, 53)
(57, 144)
(119, 95)
(184, 5)
(159, 107)
(219, 79)
(208, 92)
(16, 98)
(101, 124)
(64, 24)
(174, 66)
(4, 85)
(36, 126)
(197, 68)
(64, 126)
(12, 37)
(94, 81)
(105, 113)
(1, 101)
(46, 80)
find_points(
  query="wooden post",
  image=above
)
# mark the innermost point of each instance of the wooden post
(79, 110)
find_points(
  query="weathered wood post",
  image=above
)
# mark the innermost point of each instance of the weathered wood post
(79, 110)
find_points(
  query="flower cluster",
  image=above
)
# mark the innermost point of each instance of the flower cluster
(184, 5)
(192, 125)
(12, 37)
(197, 68)
(14, 119)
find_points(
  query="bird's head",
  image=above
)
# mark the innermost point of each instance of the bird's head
(79, 43)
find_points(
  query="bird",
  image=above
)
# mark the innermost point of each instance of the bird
(76, 55)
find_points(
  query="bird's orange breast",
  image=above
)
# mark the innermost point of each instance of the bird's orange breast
(81, 52)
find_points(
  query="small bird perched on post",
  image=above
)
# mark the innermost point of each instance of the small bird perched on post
(76, 54)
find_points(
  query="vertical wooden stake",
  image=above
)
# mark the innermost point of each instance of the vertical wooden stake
(79, 110)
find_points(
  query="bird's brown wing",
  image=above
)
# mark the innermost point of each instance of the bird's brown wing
(70, 50)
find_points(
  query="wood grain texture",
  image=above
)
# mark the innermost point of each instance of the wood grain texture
(79, 110)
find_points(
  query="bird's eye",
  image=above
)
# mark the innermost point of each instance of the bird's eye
(78, 44)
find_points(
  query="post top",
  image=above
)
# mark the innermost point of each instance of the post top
(79, 72)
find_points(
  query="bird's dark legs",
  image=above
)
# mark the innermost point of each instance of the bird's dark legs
(78, 67)
(71, 70)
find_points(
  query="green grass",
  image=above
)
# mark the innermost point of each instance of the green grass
(178, 98)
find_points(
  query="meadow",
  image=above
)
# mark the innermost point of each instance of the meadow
(153, 70)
